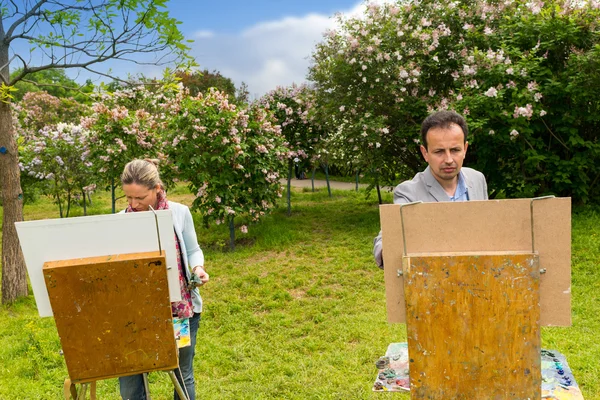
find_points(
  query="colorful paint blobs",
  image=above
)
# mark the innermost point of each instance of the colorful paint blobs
(181, 327)
(393, 374)
(557, 379)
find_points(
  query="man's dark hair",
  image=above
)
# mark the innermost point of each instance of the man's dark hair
(442, 119)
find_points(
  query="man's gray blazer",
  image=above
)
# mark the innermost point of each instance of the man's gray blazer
(424, 187)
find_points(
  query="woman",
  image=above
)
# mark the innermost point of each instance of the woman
(144, 189)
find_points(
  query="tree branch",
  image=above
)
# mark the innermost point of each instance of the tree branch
(556, 137)
(25, 17)
(40, 84)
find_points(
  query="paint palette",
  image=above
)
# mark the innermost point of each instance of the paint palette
(558, 382)
(393, 369)
(557, 379)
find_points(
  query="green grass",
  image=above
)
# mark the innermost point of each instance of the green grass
(296, 312)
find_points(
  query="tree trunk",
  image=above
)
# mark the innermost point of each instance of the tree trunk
(14, 277)
(231, 233)
(357, 173)
(326, 167)
(83, 197)
(378, 188)
(289, 188)
(312, 179)
(112, 194)
(68, 202)
(58, 200)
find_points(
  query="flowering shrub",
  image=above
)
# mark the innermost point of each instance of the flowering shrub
(128, 124)
(37, 111)
(59, 156)
(520, 72)
(231, 157)
(294, 110)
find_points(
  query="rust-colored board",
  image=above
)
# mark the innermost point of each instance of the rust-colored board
(473, 326)
(113, 314)
(477, 226)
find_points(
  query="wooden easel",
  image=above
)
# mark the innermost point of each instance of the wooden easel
(474, 281)
(113, 316)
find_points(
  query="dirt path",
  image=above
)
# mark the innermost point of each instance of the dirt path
(306, 183)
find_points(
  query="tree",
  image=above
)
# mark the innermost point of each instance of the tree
(56, 83)
(128, 124)
(64, 34)
(202, 81)
(231, 157)
(59, 155)
(36, 111)
(522, 72)
(293, 107)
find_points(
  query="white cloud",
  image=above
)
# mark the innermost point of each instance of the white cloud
(268, 54)
(204, 34)
(265, 55)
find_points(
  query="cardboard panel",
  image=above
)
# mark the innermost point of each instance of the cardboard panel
(461, 343)
(480, 226)
(113, 314)
(92, 236)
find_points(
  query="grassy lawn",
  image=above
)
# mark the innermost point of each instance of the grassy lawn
(296, 312)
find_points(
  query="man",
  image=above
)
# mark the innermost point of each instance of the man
(444, 146)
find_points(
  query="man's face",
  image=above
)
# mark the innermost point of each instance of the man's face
(445, 152)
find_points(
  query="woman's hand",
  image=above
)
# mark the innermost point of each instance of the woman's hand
(199, 271)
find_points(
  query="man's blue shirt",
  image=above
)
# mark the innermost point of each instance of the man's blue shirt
(461, 193)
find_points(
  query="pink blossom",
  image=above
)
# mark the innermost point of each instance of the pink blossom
(532, 86)
(526, 111)
(514, 133)
(218, 199)
(491, 92)
(244, 229)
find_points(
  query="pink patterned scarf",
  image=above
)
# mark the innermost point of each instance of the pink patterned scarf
(183, 308)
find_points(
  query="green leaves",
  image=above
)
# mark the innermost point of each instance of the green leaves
(524, 74)
(231, 156)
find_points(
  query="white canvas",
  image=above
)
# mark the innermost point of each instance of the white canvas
(98, 235)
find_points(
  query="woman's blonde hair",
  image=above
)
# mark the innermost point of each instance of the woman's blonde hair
(142, 172)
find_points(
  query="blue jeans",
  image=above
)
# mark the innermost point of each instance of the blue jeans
(132, 387)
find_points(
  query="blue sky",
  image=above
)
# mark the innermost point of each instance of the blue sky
(264, 43)
(233, 16)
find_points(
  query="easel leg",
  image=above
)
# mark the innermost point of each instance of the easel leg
(69, 389)
(93, 390)
(178, 387)
(81, 395)
(146, 385)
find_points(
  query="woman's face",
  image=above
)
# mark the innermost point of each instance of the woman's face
(140, 197)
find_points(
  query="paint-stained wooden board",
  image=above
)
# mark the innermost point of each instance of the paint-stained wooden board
(113, 314)
(477, 226)
(473, 326)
